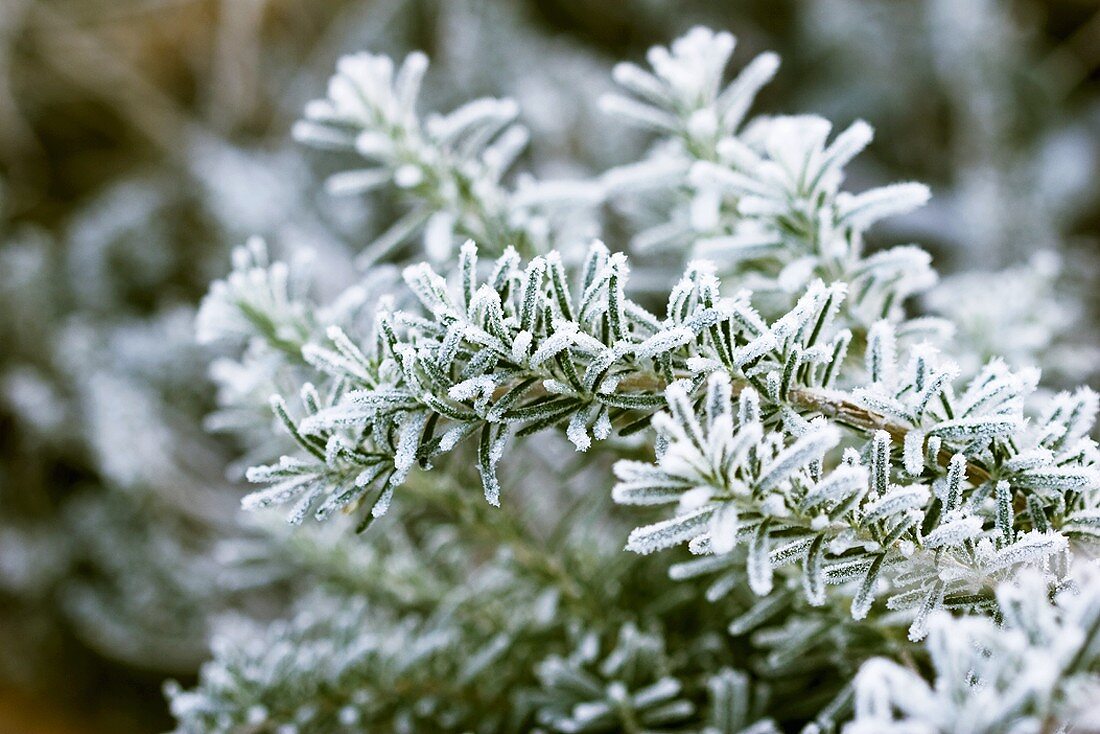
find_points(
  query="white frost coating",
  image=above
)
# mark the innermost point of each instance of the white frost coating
(577, 432)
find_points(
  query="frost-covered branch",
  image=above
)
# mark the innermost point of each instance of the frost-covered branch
(763, 200)
(450, 167)
(883, 513)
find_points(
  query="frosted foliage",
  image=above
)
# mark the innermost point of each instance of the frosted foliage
(587, 691)
(256, 295)
(875, 526)
(451, 165)
(762, 198)
(1017, 676)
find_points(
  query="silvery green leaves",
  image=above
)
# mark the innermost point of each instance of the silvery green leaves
(521, 351)
(921, 398)
(764, 200)
(1058, 457)
(352, 654)
(335, 473)
(735, 705)
(264, 320)
(778, 214)
(737, 484)
(450, 167)
(779, 498)
(259, 299)
(832, 499)
(1036, 668)
(684, 95)
(921, 393)
(371, 109)
(1051, 460)
(594, 690)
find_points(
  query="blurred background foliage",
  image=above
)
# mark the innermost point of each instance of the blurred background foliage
(141, 139)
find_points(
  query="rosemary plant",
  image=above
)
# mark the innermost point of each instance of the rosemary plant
(838, 515)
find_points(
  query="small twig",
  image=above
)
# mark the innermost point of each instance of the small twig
(831, 406)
